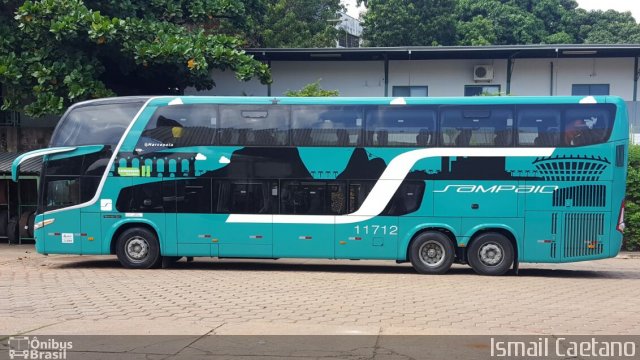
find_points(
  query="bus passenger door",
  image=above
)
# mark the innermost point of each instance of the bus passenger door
(376, 238)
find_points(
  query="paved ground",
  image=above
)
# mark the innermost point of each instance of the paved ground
(94, 295)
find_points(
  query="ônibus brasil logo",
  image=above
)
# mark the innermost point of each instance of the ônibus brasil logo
(25, 347)
(520, 189)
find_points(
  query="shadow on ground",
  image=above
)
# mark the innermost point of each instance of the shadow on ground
(356, 267)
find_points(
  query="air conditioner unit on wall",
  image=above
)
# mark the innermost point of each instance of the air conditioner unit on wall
(483, 72)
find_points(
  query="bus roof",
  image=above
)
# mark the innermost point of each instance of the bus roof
(476, 100)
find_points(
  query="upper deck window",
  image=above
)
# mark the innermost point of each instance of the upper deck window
(180, 126)
(326, 125)
(411, 126)
(95, 124)
(254, 125)
(587, 125)
(481, 126)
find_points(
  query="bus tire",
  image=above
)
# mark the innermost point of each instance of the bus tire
(138, 248)
(431, 253)
(491, 254)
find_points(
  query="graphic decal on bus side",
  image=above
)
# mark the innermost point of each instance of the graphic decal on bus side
(484, 164)
(392, 177)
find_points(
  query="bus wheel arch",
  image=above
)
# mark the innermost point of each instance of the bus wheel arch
(432, 250)
(137, 246)
(500, 243)
(126, 226)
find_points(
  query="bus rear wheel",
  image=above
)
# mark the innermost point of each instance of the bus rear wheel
(431, 253)
(491, 254)
(138, 248)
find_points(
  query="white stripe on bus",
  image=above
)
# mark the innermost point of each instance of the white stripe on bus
(392, 177)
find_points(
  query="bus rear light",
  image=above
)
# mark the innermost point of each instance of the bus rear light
(621, 225)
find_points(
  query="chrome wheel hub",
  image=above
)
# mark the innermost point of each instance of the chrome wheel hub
(431, 253)
(491, 254)
(137, 248)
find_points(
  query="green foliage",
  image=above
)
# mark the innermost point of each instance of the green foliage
(493, 22)
(55, 52)
(632, 210)
(300, 23)
(409, 22)
(312, 90)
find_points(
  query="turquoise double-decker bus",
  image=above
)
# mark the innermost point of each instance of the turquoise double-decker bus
(487, 181)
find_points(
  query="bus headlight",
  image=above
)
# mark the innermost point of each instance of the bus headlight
(41, 224)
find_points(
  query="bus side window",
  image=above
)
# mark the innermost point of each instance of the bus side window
(239, 197)
(406, 200)
(141, 198)
(476, 126)
(313, 197)
(538, 126)
(254, 125)
(179, 126)
(587, 124)
(194, 195)
(358, 192)
(391, 126)
(326, 125)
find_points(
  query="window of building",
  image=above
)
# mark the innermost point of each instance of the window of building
(481, 90)
(589, 89)
(409, 91)
(389, 126)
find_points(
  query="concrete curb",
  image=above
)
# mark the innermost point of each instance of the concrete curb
(628, 255)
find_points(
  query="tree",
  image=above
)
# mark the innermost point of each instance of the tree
(493, 22)
(632, 213)
(312, 90)
(55, 52)
(409, 22)
(299, 23)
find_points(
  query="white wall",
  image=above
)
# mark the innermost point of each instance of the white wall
(351, 78)
(618, 72)
(444, 77)
(531, 77)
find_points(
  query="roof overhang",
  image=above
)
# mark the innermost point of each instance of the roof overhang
(446, 52)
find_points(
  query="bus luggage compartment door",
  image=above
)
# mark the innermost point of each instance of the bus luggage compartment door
(465, 198)
(303, 240)
(62, 236)
(195, 236)
(376, 238)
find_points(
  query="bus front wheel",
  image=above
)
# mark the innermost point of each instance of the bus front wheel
(431, 253)
(138, 248)
(490, 254)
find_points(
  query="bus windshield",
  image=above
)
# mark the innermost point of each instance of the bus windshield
(95, 124)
